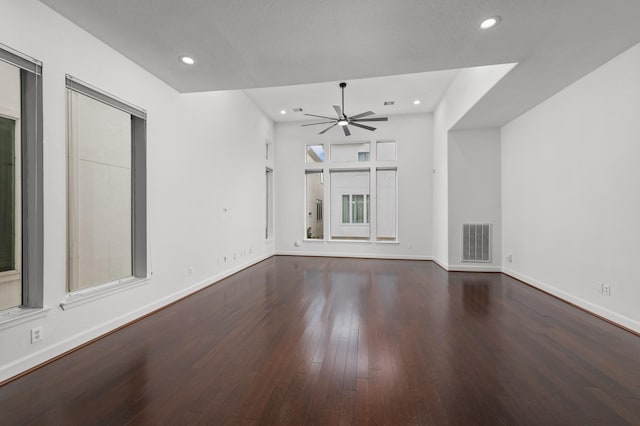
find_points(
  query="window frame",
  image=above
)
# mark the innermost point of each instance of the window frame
(30, 183)
(372, 166)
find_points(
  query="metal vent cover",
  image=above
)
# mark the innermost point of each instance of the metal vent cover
(476, 242)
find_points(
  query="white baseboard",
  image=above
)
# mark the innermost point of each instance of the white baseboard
(49, 352)
(582, 303)
(355, 255)
(441, 263)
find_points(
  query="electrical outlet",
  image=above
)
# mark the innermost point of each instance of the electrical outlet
(606, 289)
(190, 270)
(510, 258)
(36, 334)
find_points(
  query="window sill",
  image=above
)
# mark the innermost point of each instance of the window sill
(87, 295)
(350, 241)
(314, 240)
(390, 242)
(20, 315)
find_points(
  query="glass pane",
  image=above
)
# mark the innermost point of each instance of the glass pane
(386, 213)
(99, 193)
(386, 150)
(315, 153)
(358, 208)
(349, 192)
(367, 207)
(346, 208)
(350, 152)
(315, 194)
(7, 195)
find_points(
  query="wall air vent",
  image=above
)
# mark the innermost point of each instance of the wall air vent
(476, 242)
(297, 110)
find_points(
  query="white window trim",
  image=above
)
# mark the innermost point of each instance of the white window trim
(90, 294)
(19, 315)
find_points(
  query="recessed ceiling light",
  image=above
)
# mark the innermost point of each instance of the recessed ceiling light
(416, 102)
(490, 22)
(283, 112)
(187, 60)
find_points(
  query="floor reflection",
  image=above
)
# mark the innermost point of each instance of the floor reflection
(476, 296)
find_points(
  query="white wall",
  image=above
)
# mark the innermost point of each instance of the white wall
(474, 192)
(570, 193)
(414, 136)
(205, 154)
(469, 87)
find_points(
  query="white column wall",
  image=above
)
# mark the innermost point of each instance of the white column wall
(474, 192)
(469, 87)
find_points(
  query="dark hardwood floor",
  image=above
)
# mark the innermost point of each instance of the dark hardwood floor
(296, 340)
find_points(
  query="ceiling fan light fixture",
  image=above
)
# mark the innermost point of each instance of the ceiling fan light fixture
(343, 120)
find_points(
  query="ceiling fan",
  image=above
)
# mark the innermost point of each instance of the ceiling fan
(343, 120)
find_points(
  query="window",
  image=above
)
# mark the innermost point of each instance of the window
(107, 188)
(350, 152)
(355, 209)
(350, 198)
(363, 156)
(355, 182)
(386, 150)
(21, 235)
(386, 204)
(314, 222)
(10, 280)
(315, 153)
(269, 194)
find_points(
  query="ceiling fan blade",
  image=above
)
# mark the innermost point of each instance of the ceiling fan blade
(338, 110)
(346, 131)
(315, 124)
(321, 116)
(364, 114)
(371, 119)
(363, 126)
(330, 127)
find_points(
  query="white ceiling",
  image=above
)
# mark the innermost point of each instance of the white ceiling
(245, 44)
(360, 96)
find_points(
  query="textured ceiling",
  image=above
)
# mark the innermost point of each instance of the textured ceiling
(245, 44)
